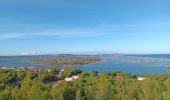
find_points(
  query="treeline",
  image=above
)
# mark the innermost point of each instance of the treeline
(27, 85)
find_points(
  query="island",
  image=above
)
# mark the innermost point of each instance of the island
(75, 61)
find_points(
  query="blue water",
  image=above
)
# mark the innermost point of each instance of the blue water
(127, 63)
(153, 55)
(19, 61)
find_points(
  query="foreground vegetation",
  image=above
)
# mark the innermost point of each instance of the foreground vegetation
(28, 85)
(67, 62)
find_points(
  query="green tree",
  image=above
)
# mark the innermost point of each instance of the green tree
(168, 69)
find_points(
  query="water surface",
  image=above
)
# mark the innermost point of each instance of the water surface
(127, 63)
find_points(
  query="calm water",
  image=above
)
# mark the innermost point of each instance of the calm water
(128, 63)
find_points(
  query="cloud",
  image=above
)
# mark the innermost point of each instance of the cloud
(9, 36)
(60, 33)
(101, 29)
(29, 53)
(138, 25)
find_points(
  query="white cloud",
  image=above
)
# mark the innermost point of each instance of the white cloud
(102, 29)
(67, 33)
(29, 53)
(9, 36)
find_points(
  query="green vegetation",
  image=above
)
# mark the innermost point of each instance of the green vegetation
(28, 85)
(168, 68)
(67, 61)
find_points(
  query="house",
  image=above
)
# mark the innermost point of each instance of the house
(140, 78)
(118, 77)
(49, 70)
(4, 68)
(36, 69)
(68, 79)
(75, 77)
(61, 71)
(23, 68)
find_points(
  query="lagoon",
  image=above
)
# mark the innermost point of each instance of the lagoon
(127, 63)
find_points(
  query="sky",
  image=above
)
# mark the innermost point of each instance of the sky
(29, 27)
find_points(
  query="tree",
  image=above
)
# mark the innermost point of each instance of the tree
(39, 91)
(168, 69)
(54, 71)
(5, 94)
(69, 72)
(15, 93)
(78, 95)
(25, 88)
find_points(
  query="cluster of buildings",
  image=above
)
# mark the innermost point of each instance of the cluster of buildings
(74, 77)
(119, 77)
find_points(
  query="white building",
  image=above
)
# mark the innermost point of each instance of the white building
(71, 78)
(140, 78)
(68, 79)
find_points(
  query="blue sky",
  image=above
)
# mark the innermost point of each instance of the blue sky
(84, 26)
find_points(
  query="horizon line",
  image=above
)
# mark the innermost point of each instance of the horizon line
(87, 54)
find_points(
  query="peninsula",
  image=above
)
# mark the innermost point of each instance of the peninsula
(75, 61)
